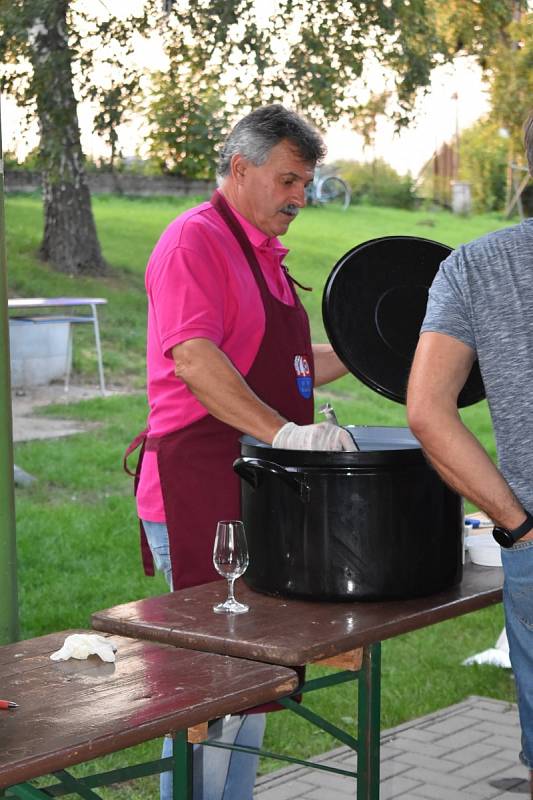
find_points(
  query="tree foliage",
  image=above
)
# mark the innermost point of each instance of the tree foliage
(188, 118)
(483, 164)
(377, 183)
(500, 35)
(310, 53)
(511, 83)
(488, 147)
(117, 101)
(476, 28)
(318, 56)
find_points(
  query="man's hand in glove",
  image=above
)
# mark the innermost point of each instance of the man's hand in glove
(322, 436)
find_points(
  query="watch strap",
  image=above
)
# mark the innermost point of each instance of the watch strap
(507, 538)
(522, 529)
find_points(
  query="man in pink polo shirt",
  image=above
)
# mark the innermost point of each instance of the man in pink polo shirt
(229, 352)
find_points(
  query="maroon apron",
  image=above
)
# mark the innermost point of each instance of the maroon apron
(195, 463)
(198, 483)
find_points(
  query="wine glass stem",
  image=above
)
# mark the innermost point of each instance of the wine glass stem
(231, 596)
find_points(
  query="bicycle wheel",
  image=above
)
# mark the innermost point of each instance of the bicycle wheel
(310, 194)
(333, 190)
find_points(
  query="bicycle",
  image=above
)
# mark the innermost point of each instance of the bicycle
(328, 190)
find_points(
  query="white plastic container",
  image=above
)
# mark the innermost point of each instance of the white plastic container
(39, 350)
(461, 197)
(484, 550)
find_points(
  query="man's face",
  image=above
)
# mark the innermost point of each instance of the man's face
(271, 195)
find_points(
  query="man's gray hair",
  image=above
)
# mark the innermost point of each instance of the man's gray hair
(255, 135)
(528, 141)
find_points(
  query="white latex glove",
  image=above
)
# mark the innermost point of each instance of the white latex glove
(82, 645)
(322, 436)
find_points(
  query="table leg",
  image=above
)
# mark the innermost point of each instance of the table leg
(182, 768)
(369, 696)
(68, 367)
(98, 349)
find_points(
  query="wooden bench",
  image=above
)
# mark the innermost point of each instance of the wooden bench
(74, 711)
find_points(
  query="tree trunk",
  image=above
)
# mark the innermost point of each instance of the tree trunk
(70, 241)
(117, 184)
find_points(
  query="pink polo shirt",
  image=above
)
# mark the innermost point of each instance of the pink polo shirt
(199, 285)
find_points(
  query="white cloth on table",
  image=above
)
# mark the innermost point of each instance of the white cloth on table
(83, 645)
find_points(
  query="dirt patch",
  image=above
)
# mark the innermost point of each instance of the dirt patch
(28, 426)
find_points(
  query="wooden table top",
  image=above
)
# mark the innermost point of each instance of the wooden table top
(291, 632)
(73, 711)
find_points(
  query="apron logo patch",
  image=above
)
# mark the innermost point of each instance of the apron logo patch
(304, 381)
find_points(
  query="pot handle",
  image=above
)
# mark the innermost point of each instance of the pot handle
(252, 470)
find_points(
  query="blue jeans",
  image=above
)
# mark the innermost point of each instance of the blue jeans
(218, 774)
(518, 605)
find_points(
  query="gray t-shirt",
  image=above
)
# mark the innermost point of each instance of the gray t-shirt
(483, 296)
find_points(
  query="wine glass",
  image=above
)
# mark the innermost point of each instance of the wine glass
(230, 559)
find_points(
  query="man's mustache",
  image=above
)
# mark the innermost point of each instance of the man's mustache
(290, 209)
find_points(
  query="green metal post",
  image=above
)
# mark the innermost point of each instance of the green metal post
(182, 769)
(8, 553)
(368, 734)
(25, 791)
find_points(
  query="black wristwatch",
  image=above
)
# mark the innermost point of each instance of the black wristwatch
(507, 538)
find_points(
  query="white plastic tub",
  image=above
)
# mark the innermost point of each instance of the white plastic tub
(39, 350)
(484, 550)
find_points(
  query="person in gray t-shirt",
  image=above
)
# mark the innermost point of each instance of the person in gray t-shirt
(481, 306)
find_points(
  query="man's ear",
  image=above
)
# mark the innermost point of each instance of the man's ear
(239, 166)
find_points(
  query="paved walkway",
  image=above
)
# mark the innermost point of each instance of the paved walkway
(465, 752)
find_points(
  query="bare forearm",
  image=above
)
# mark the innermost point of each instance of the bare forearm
(328, 366)
(440, 368)
(221, 389)
(465, 466)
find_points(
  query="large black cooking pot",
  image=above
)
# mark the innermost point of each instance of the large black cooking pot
(375, 524)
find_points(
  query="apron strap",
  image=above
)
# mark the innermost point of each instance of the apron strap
(141, 440)
(222, 206)
(137, 442)
(220, 203)
(293, 280)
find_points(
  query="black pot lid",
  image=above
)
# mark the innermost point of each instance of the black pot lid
(373, 305)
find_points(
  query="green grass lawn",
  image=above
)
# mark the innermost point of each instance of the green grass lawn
(76, 527)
